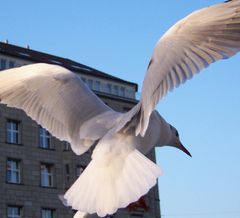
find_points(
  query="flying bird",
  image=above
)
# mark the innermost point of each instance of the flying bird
(119, 173)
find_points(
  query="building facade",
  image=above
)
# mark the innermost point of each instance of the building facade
(36, 167)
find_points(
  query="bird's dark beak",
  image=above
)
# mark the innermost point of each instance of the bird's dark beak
(182, 148)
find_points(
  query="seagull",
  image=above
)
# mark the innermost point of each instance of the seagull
(119, 172)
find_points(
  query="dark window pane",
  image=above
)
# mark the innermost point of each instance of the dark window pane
(13, 132)
(47, 175)
(3, 64)
(13, 171)
(44, 138)
(47, 213)
(11, 64)
(14, 138)
(13, 212)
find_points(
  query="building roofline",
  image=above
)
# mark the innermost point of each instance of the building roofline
(114, 97)
(36, 56)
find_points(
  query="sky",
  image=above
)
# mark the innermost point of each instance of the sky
(118, 37)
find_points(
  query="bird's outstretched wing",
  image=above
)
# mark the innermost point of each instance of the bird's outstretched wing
(192, 44)
(57, 99)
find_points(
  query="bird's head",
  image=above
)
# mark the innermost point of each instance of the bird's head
(175, 141)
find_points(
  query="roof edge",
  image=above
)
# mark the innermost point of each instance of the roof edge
(37, 56)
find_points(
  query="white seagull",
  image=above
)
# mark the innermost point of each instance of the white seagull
(119, 173)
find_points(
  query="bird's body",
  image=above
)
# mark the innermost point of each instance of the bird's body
(119, 173)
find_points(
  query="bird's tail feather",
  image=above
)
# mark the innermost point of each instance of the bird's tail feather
(80, 214)
(99, 190)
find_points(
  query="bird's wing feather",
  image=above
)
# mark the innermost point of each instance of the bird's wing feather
(57, 99)
(192, 44)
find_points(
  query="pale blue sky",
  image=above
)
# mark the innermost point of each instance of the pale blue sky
(118, 37)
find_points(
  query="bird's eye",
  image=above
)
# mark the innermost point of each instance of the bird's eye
(177, 134)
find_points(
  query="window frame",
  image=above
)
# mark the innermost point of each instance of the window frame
(66, 146)
(97, 85)
(14, 216)
(90, 83)
(44, 136)
(11, 64)
(13, 131)
(122, 91)
(47, 209)
(49, 175)
(17, 171)
(3, 63)
(109, 88)
(116, 90)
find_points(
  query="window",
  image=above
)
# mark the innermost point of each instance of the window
(47, 213)
(3, 64)
(122, 91)
(47, 175)
(109, 88)
(66, 146)
(97, 85)
(90, 83)
(115, 90)
(44, 138)
(130, 93)
(14, 212)
(13, 171)
(11, 64)
(79, 170)
(13, 132)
